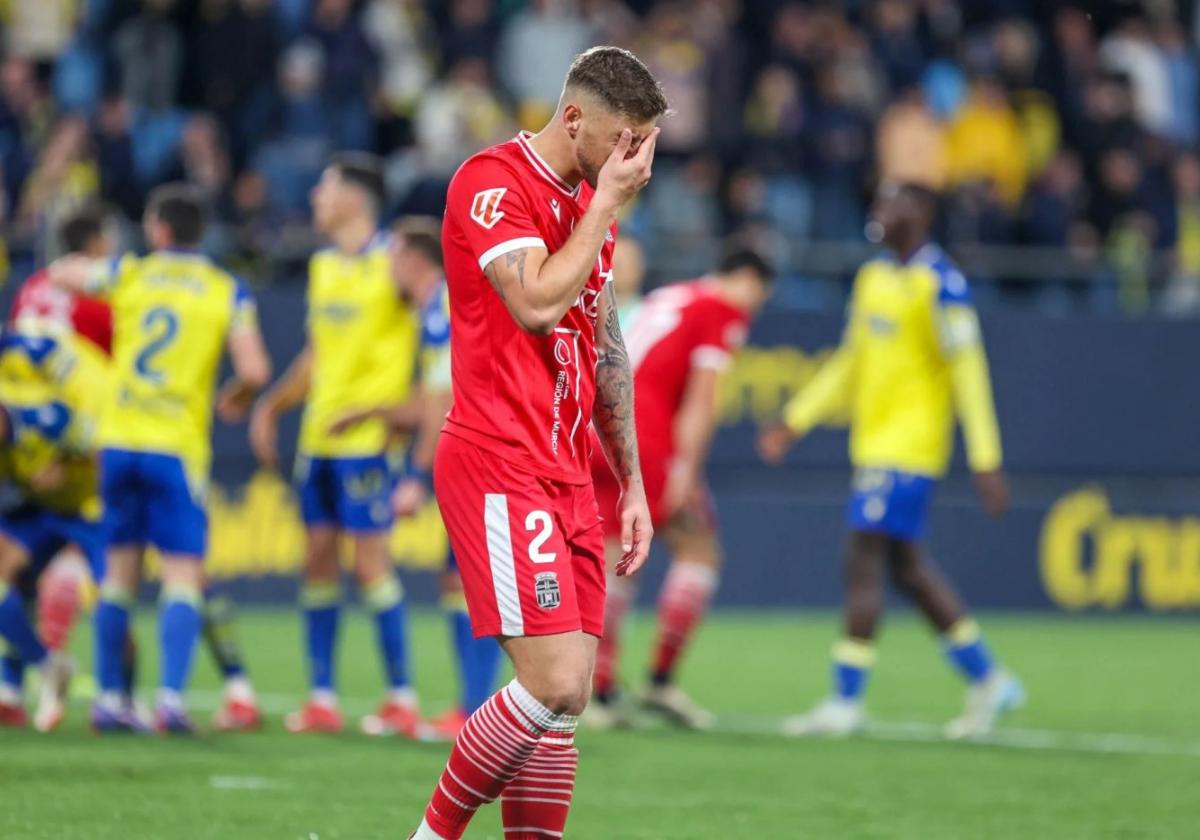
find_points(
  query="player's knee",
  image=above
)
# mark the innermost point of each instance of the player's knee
(565, 692)
(908, 575)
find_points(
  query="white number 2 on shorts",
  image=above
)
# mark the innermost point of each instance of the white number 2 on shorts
(535, 520)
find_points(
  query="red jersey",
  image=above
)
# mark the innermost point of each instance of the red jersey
(525, 397)
(87, 316)
(678, 328)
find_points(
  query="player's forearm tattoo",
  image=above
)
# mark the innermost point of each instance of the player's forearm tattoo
(613, 413)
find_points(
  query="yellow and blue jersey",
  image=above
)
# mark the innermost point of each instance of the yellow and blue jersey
(364, 341)
(435, 341)
(910, 362)
(54, 390)
(172, 314)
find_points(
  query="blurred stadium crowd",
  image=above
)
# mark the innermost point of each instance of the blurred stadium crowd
(1068, 128)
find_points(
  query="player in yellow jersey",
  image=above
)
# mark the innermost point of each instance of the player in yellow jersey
(416, 261)
(911, 360)
(361, 352)
(47, 454)
(174, 312)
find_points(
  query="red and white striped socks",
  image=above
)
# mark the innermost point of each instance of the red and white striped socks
(536, 802)
(685, 596)
(497, 742)
(621, 592)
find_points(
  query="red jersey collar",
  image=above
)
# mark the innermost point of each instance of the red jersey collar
(541, 167)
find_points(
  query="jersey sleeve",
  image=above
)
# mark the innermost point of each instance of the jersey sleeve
(435, 344)
(962, 346)
(720, 335)
(109, 274)
(487, 205)
(830, 393)
(244, 314)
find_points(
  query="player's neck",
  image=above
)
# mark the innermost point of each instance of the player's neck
(353, 236)
(553, 146)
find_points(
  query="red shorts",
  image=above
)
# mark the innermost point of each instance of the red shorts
(699, 513)
(530, 550)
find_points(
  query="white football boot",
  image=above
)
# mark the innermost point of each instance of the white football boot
(833, 716)
(986, 701)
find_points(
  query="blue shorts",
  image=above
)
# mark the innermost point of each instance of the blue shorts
(890, 502)
(149, 500)
(44, 533)
(353, 494)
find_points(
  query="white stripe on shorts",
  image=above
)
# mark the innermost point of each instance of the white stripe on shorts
(504, 573)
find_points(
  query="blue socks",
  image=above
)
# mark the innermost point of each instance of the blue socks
(321, 603)
(16, 628)
(12, 672)
(385, 599)
(852, 662)
(968, 652)
(478, 659)
(179, 630)
(112, 630)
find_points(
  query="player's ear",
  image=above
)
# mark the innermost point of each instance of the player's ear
(572, 118)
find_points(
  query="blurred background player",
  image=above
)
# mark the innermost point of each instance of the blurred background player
(415, 250)
(47, 451)
(173, 311)
(629, 274)
(680, 340)
(911, 359)
(361, 354)
(78, 327)
(82, 325)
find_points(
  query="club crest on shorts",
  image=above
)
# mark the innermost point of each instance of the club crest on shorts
(485, 207)
(545, 586)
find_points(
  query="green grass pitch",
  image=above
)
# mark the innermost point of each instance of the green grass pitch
(1109, 746)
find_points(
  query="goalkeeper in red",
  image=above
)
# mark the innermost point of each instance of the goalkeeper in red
(911, 361)
(537, 356)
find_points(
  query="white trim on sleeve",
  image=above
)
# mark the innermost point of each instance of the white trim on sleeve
(710, 358)
(508, 247)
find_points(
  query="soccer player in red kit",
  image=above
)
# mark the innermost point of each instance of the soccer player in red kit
(680, 340)
(537, 357)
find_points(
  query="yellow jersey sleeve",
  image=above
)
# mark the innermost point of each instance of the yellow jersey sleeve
(962, 346)
(831, 392)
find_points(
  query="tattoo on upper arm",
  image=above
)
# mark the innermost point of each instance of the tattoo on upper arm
(511, 259)
(613, 412)
(517, 258)
(493, 277)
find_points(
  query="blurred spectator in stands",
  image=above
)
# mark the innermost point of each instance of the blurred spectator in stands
(299, 136)
(681, 210)
(895, 41)
(25, 122)
(1183, 80)
(1070, 66)
(1182, 295)
(910, 143)
(984, 142)
(204, 161)
(793, 37)
(149, 52)
(237, 50)
(457, 117)
(469, 30)
(1131, 51)
(774, 123)
(119, 184)
(678, 59)
(840, 136)
(611, 21)
(65, 178)
(1107, 121)
(403, 38)
(350, 72)
(1056, 203)
(38, 29)
(535, 50)
(1119, 192)
(1016, 47)
(977, 214)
